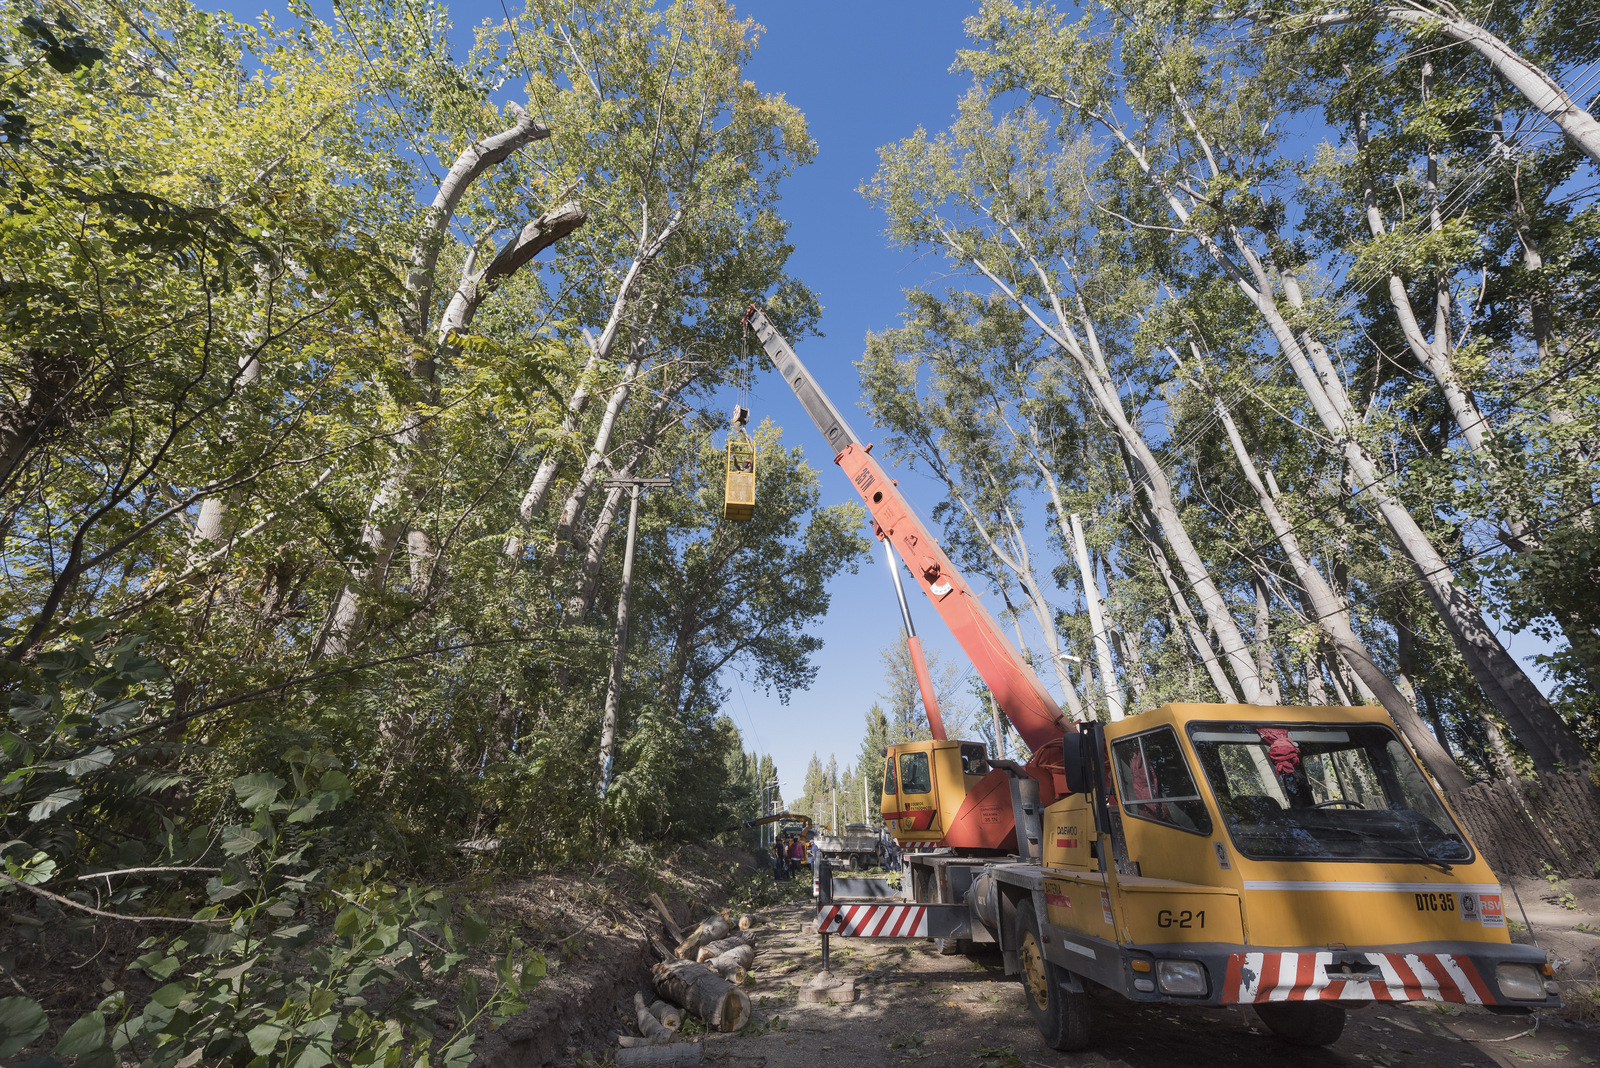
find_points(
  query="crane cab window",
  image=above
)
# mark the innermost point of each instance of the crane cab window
(974, 759)
(1154, 783)
(1313, 791)
(915, 778)
(888, 777)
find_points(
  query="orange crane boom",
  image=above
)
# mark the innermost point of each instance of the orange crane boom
(1017, 690)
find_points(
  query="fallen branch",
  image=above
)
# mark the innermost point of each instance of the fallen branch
(674, 932)
(139, 871)
(69, 903)
(677, 1055)
(651, 1028)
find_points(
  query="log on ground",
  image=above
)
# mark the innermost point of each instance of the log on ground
(732, 964)
(733, 973)
(649, 1026)
(702, 992)
(723, 945)
(669, 1015)
(677, 1055)
(709, 931)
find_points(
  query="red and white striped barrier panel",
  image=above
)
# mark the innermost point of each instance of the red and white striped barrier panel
(1258, 977)
(873, 921)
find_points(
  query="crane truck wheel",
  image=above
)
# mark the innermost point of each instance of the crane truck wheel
(1062, 1015)
(1304, 1023)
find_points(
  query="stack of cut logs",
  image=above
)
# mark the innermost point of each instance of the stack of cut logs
(699, 975)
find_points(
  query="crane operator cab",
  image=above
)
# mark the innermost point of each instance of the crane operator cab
(925, 784)
(739, 492)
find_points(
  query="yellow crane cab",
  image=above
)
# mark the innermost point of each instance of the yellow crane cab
(1238, 854)
(926, 783)
(739, 492)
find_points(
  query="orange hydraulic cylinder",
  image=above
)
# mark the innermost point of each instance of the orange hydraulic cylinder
(930, 701)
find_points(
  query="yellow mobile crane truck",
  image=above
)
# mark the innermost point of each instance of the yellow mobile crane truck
(1297, 860)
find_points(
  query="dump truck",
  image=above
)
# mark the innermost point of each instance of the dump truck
(858, 847)
(1298, 860)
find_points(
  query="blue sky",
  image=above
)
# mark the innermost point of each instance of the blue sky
(864, 74)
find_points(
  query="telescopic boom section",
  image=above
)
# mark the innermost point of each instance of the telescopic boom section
(1026, 703)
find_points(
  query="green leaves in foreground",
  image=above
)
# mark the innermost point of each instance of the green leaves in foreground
(287, 964)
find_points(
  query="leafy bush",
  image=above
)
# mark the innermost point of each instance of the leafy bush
(287, 964)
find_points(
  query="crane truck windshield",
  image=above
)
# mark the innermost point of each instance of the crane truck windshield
(1324, 792)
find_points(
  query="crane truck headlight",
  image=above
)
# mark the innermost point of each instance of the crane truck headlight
(1520, 982)
(1182, 978)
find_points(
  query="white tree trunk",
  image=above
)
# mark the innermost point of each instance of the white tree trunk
(1333, 617)
(1271, 693)
(1198, 639)
(1104, 392)
(573, 509)
(599, 349)
(382, 527)
(582, 600)
(1542, 92)
(1097, 621)
(1548, 739)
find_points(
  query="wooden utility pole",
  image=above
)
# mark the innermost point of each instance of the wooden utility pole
(619, 636)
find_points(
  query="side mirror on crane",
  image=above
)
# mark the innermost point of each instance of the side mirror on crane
(1077, 755)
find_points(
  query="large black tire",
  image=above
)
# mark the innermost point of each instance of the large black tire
(1061, 1015)
(1304, 1023)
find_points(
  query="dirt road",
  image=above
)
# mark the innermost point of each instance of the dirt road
(918, 1008)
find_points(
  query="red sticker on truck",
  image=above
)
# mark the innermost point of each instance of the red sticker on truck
(1489, 906)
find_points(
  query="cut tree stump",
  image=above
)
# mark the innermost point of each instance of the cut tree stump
(723, 945)
(702, 992)
(684, 1054)
(669, 1016)
(649, 1026)
(748, 920)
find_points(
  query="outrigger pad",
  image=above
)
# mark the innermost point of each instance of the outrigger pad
(825, 988)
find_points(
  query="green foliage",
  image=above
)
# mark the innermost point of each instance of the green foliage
(1128, 192)
(267, 438)
(287, 962)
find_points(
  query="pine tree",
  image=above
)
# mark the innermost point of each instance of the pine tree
(871, 759)
(816, 790)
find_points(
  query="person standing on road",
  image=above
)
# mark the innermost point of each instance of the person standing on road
(780, 862)
(797, 855)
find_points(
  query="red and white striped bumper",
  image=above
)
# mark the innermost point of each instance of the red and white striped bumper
(1259, 977)
(873, 921)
